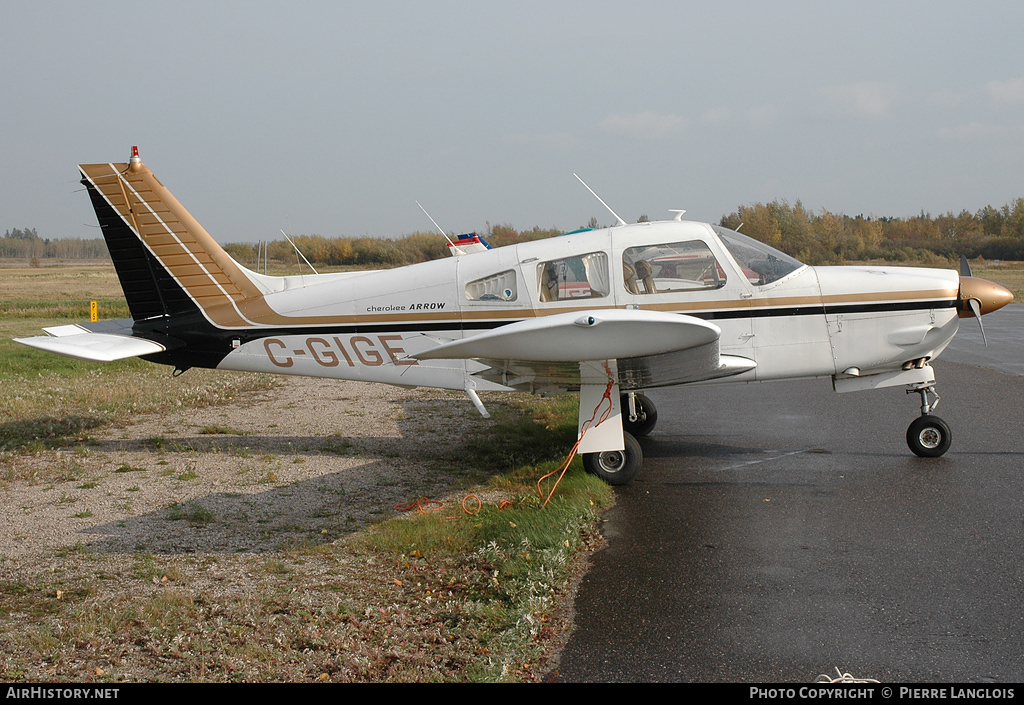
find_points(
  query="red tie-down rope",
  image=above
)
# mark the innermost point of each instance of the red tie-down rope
(587, 425)
(423, 504)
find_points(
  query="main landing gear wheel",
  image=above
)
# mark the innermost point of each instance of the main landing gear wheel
(616, 467)
(646, 415)
(928, 436)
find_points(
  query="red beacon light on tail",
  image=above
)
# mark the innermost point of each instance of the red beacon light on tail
(135, 163)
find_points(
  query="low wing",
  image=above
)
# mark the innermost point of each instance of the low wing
(653, 349)
(104, 342)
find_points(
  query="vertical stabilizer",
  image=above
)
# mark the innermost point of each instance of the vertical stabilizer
(167, 263)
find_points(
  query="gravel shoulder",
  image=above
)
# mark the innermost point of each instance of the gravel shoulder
(209, 545)
(307, 461)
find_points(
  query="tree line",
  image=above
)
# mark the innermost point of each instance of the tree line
(832, 238)
(813, 237)
(26, 244)
(374, 251)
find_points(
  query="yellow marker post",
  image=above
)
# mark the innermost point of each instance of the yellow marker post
(93, 317)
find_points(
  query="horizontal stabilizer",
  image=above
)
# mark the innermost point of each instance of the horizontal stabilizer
(75, 341)
(591, 335)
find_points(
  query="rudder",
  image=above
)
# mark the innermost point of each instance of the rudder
(167, 263)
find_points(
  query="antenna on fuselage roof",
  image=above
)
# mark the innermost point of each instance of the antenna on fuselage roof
(621, 221)
(299, 251)
(436, 225)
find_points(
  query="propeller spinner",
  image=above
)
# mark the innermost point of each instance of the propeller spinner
(979, 296)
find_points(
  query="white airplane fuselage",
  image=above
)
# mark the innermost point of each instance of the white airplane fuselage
(606, 312)
(813, 322)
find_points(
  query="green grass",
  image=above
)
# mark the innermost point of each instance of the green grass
(63, 312)
(21, 361)
(526, 520)
(49, 400)
(528, 431)
(510, 552)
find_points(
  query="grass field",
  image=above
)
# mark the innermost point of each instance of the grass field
(439, 596)
(60, 292)
(48, 400)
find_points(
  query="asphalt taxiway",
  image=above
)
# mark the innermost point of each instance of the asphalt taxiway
(780, 531)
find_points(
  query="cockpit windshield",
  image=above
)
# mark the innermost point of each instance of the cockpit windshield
(761, 263)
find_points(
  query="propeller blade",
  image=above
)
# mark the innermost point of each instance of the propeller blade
(976, 307)
(965, 267)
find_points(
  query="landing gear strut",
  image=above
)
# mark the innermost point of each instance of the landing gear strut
(639, 415)
(928, 436)
(608, 444)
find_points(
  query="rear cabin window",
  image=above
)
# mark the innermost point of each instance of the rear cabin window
(584, 277)
(676, 266)
(497, 287)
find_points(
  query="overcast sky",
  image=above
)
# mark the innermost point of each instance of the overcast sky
(334, 118)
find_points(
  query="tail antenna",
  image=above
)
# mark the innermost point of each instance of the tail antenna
(436, 225)
(299, 251)
(621, 221)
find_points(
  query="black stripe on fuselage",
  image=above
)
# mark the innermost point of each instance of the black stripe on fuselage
(206, 346)
(819, 310)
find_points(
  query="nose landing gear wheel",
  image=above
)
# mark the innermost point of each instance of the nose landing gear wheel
(616, 467)
(928, 436)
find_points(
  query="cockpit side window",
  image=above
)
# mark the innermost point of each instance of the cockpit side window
(497, 287)
(762, 264)
(676, 266)
(583, 277)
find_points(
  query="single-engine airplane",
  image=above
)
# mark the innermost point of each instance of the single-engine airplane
(608, 312)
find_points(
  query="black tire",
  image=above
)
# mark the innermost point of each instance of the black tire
(929, 437)
(646, 413)
(616, 467)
